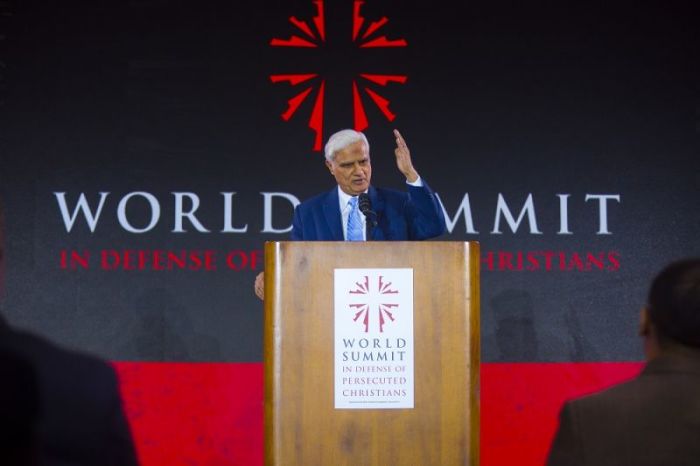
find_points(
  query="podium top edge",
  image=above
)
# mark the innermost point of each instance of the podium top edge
(372, 242)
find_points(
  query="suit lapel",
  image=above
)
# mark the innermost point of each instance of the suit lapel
(378, 207)
(331, 212)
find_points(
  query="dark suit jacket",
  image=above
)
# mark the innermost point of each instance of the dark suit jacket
(415, 215)
(81, 421)
(651, 420)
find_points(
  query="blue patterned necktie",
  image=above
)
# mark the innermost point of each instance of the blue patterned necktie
(354, 232)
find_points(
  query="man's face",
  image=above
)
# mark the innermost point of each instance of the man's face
(351, 168)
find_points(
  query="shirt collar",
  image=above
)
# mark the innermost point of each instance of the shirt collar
(344, 198)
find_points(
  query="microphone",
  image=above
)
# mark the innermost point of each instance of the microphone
(365, 205)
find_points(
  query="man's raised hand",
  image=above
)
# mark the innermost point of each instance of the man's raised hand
(403, 158)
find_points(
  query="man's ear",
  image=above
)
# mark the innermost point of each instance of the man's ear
(330, 167)
(644, 323)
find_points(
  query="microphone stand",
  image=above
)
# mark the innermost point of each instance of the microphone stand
(365, 206)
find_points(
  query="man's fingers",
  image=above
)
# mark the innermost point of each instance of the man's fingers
(260, 285)
(399, 139)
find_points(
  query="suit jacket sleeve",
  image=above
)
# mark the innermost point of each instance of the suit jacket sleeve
(297, 226)
(424, 213)
(566, 449)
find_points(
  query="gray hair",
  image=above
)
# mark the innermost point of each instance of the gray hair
(341, 140)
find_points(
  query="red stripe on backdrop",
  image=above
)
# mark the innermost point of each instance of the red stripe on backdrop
(212, 414)
(195, 414)
(520, 405)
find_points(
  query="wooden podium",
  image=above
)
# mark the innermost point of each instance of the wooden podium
(302, 425)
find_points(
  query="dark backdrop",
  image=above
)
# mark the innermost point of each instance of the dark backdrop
(175, 96)
(517, 100)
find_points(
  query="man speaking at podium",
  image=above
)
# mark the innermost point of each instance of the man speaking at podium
(355, 210)
(340, 215)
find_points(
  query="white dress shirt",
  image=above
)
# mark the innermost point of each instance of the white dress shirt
(344, 201)
(345, 213)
